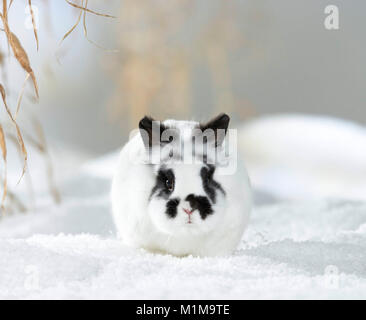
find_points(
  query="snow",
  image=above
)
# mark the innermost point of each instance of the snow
(297, 156)
(304, 248)
(282, 256)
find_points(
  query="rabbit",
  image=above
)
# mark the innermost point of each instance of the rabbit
(166, 202)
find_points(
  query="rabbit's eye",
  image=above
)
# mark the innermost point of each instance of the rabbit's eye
(169, 184)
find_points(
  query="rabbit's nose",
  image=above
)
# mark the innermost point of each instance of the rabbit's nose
(189, 212)
(187, 208)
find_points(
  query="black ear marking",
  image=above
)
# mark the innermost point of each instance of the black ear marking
(219, 125)
(150, 131)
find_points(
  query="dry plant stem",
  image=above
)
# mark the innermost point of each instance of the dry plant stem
(19, 134)
(83, 11)
(84, 20)
(20, 97)
(86, 32)
(3, 69)
(73, 27)
(41, 146)
(44, 149)
(12, 198)
(4, 152)
(18, 51)
(33, 23)
(22, 58)
(5, 17)
(88, 10)
(5, 9)
(28, 179)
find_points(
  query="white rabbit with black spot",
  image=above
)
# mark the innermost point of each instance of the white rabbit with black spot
(164, 201)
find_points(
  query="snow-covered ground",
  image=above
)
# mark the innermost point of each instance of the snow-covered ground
(309, 247)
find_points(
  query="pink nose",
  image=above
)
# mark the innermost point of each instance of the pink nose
(187, 211)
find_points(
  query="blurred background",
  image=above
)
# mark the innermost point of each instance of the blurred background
(193, 59)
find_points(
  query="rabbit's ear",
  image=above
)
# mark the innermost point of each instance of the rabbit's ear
(219, 127)
(151, 131)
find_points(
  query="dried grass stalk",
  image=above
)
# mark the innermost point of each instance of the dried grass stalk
(20, 97)
(33, 23)
(28, 180)
(16, 46)
(88, 10)
(72, 28)
(22, 57)
(4, 153)
(19, 134)
(86, 31)
(43, 148)
(14, 200)
(5, 9)
(18, 50)
(83, 11)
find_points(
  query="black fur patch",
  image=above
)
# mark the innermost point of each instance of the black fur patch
(171, 207)
(146, 126)
(160, 188)
(209, 184)
(221, 122)
(201, 203)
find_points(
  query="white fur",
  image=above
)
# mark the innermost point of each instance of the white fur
(141, 222)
